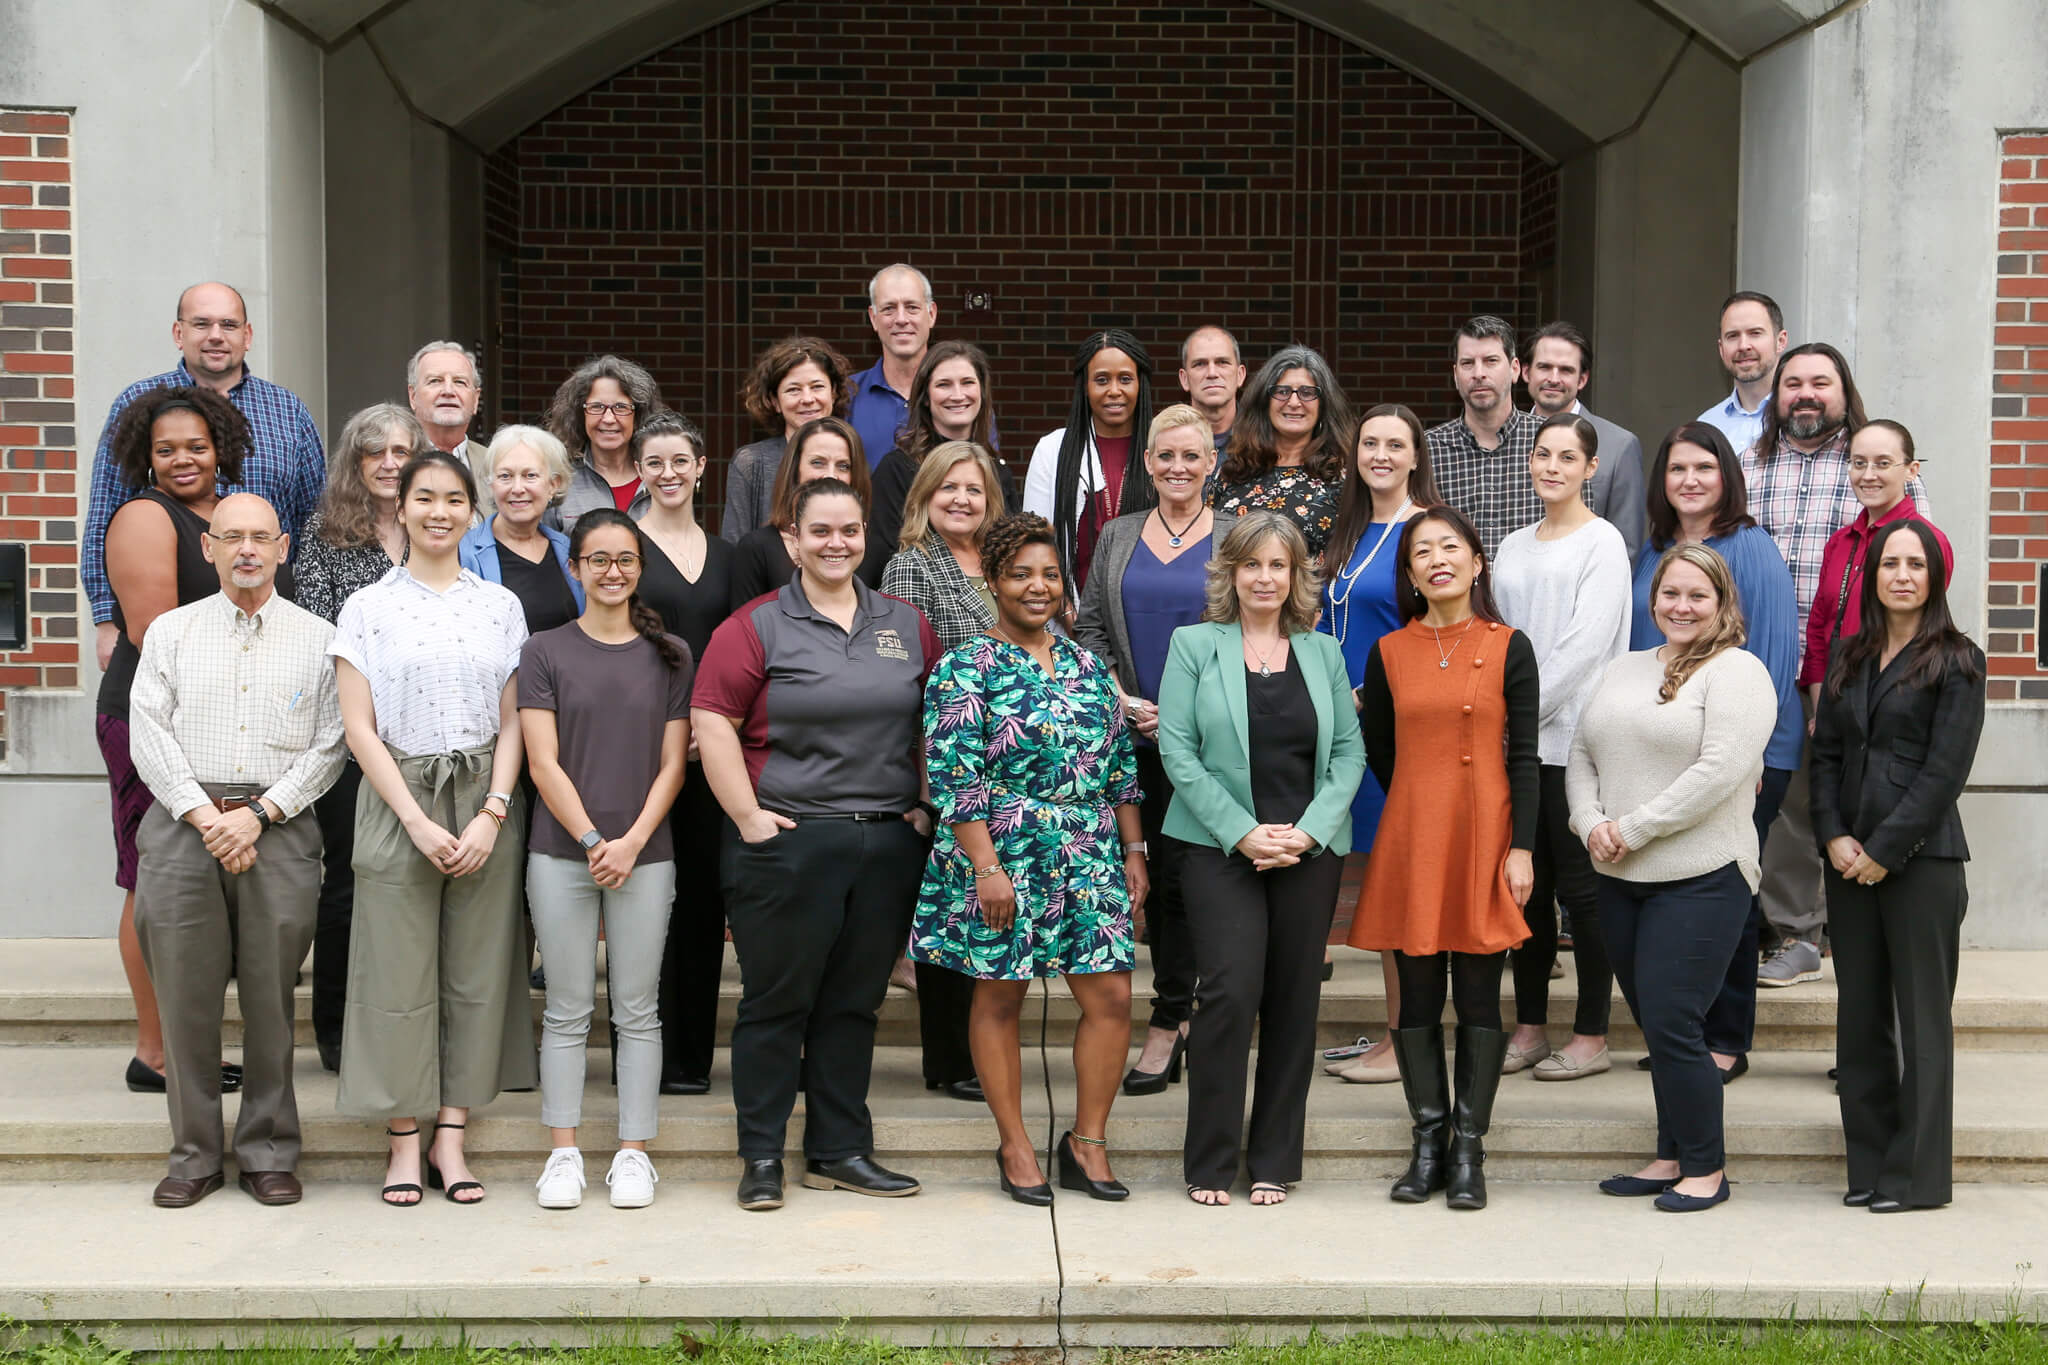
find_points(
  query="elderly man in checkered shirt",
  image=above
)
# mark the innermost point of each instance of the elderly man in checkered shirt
(1799, 491)
(236, 729)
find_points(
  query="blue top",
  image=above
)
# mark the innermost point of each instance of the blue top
(1158, 600)
(478, 553)
(1358, 608)
(1739, 424)
(879, 412)
(1763, 589)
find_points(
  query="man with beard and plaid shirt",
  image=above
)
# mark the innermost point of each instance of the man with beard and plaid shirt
(1481, 457)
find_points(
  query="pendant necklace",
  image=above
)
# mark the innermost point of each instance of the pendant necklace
(1172, 536)
(1265, 669)
(1444, 655)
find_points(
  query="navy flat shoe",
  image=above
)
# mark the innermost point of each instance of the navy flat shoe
(1634, 1186)
(1671, 1201)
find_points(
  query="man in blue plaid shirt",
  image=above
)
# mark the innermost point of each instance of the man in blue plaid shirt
(286, 463)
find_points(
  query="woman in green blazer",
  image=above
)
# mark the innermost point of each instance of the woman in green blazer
(1259, 736)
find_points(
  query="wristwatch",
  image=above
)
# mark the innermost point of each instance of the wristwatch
(590, 840)
(263, 820)
(1137, 846)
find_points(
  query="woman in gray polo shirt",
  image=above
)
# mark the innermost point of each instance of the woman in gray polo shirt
(807, 710)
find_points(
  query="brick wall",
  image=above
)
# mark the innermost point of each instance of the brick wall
(38, 436)
(1143, 165)
(2019, 424)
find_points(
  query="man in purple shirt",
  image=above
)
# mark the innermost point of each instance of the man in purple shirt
(285, 464)
(901, 310)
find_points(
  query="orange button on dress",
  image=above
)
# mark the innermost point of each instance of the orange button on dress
(1435, 883)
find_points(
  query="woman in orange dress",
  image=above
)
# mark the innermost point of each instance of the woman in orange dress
(1449, 706)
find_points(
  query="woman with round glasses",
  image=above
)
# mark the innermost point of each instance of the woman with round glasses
(1286, 453)
(526, 469)
(595, 413)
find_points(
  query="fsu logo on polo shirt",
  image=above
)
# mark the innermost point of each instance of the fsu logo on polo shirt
(889, 645)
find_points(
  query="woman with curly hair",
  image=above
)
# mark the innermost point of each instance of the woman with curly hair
(594, 415)
(794, 382)
(1089, 472)
(179, 446)
(1286, 453)
(1039, 858)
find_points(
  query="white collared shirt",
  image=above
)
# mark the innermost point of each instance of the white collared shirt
(225, 697)
(437, 662)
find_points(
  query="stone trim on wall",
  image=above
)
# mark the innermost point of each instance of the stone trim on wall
(39, 503)
(2018, 545)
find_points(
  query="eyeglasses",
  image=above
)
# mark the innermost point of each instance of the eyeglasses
(505, 478)
(600, 409)
(678, 464)
(602, 563)
(256, 538)
(1883, 465)
(1307, 393)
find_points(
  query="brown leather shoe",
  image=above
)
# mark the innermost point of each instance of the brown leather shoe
(271, 1187)
(175, 1192)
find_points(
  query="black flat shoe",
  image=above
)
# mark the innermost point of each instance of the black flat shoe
(969, 1089)
(1039, 1196)
(1880, 1204)
(761, 1184)
(1671, 1201)
(1329, 968)
(1072, 1177)
(1737, 1068)
(1634, 1186)
(1138, 1082)
(330, 1053)
(686, 1085)
(1643, 1062)
(861, 1174)
(1857, 1199)
(144, 1079)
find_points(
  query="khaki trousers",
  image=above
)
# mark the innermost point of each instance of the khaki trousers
(439, 1010)
(193, 920)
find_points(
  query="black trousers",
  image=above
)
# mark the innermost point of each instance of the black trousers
(336, 813)
(1896, 947)
(694, 953)
(1166, 912)
(1731, 1019)
(1471, 980)
(820, 913)
(945, 999)
(1671, 942)
(1258, 941)
(1564, 873)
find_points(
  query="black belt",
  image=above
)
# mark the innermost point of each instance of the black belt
(864, 816)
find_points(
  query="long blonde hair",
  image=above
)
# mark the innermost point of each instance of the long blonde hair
(1240, 543)
(939, 462)
(1725, 631)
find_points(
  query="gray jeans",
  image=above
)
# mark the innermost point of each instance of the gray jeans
(567, 910)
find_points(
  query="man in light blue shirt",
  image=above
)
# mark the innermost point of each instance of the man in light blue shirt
(1751, 337)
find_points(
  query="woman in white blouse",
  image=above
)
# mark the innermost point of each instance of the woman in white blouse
(438, 1017)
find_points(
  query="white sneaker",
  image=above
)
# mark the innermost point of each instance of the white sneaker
(561, 1180)
(631, 1179)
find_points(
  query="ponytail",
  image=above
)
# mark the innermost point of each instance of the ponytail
(648, 622)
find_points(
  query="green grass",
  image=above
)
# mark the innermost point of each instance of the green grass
(1981, 1343)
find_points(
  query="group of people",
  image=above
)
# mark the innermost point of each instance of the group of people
(530, 700)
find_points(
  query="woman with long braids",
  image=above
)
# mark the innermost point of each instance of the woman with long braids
(1286, 453)
(604, 708)
(1086, 474)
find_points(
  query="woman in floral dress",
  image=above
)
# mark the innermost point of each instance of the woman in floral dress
(1039, 858)
(1289, 448)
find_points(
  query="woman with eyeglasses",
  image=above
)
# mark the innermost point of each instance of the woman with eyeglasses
(594, 414)
(794, 382)
(604, 710)
(527, 469)
(1286, 453)
(827, 448)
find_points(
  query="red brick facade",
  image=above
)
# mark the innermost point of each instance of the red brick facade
(1142, 165)
(2019, 424)
(38, 434)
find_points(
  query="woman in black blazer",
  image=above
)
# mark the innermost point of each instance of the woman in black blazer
(1893, 741)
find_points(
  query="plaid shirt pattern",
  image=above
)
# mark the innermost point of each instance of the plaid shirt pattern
(1491, 487)
(286, 465)
(1802, 498)
(929, 578)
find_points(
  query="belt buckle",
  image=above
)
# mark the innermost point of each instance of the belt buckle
(228, 803)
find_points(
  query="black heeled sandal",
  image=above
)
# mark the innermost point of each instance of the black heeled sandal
(407, 1187)
(459, 1187)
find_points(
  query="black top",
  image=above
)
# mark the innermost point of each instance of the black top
(689, 611)
(893, 477)
(540, 587)
(1281, 729)
(331, 574)
(1522, 691)
(760, 565)
(196, 581)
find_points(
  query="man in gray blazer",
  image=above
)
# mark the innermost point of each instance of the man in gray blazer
(1557, 364)
(443, 386)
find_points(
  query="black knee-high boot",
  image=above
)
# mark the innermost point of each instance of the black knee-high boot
(1480, 1052)
(1420, 1053)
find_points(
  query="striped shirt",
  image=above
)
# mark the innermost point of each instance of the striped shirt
(437, 662)
(285, 464)
(230, 698)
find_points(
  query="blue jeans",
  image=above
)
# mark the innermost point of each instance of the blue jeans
(1731, 1019)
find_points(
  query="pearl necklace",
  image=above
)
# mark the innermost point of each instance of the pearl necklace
(1341, 603)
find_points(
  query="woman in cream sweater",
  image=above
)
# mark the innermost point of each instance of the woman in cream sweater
(1662, 778)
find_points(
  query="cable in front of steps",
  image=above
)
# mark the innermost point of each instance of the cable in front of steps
(1059, 1310)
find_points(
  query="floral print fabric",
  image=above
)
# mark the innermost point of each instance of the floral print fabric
(1045, 760)
(1296, 494)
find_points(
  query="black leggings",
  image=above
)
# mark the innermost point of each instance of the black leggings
(1474, 982)
(1564, 872)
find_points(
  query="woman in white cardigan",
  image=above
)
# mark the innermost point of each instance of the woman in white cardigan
(1662, 782)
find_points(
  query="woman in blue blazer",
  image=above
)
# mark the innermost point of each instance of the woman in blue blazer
(525, 468)
(1258, 734)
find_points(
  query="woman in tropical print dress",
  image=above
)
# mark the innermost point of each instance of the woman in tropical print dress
(1039, 858)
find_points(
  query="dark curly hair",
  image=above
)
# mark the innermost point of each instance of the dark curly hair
(1255, 445)
(227, 428)
(773, 365)
(1007, 538)
(565, 410)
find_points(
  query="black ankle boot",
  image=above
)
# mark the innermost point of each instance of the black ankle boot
(1420, 1054)
(1480, 1053)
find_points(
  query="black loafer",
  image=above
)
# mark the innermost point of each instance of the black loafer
(969, 1089)
(685, 1085)
(1881, 1204)
(330, 1053)
(1738, 1067)
(1643, 1062)
(1857, 1199)
(860, 1174)
(761, 1184)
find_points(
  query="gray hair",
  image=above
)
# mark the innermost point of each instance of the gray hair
(412, 367)
(542, 442)
(922, 278)
(1236, 353)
